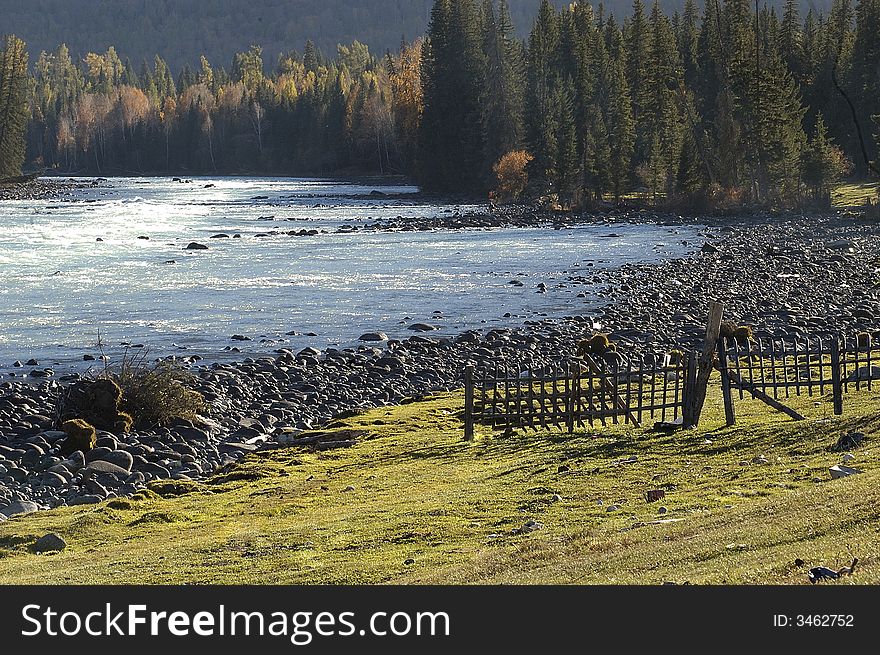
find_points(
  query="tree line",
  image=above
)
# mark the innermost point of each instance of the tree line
(311, 115)
(182, 30)
(729, 104)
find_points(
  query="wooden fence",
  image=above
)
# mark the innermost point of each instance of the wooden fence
(578, 391)
(808, 365)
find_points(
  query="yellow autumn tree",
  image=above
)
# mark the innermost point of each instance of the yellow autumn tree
(511, 175)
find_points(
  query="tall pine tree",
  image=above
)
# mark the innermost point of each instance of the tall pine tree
(13, 105)
(451, 143)
(502, 95)
(541, 93)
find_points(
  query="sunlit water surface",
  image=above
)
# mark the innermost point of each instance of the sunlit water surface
(60, 287)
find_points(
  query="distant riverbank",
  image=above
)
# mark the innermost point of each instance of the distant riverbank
(42, 188)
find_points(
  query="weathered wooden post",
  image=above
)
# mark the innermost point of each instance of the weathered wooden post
(729, 412)
(469, 403)
(705, 365)
(687, 393)
(569, 398)
(836, 382)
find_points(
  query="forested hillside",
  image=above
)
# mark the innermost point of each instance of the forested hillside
(183, 30)
(721, 106)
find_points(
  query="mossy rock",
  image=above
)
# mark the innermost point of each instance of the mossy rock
(123, 422)
(145, 495)
(97, 403)
(172, 488)
(728, 330)
(598, 344)
(80, 436)
(121, 503)
(743, 335)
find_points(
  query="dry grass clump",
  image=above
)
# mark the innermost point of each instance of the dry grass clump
(598, 344)
(741, 334)
(156, 394)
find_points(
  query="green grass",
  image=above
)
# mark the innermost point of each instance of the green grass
(854, 195)
(414, 490)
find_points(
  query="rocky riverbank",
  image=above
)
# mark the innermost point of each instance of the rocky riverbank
(43, 189)
(786, 275)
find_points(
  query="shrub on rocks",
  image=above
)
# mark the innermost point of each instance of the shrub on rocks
(80, 436)
(158, 395)
(134, 394)
(741, 334)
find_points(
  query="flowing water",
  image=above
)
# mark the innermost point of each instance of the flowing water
(76, 270)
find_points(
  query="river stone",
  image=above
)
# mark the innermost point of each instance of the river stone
(107, 441)
(374, 336)
(75, 461)
(101, 466)
(42, 422)
(422, 327)
(190, 433)
(234, 446)
(97, 453)
(50, 543)
(120, 458)
(196, 246)
(19, 507)
(838, 471)
(154, 469)
(16, 473)
(88, 499)
(864, 373)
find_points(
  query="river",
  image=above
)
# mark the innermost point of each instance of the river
(98, 266)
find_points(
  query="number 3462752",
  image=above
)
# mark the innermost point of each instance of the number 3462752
(824, 620)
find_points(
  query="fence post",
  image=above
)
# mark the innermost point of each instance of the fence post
(729, 411)
(569, 401)
(469, 403)
(687, 392)
(836, 382)
(693, 409)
